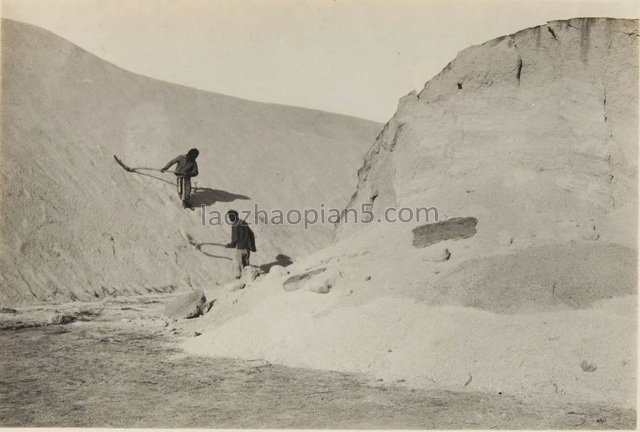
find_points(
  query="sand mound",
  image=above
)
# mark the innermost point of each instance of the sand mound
(539, 279)
(77, 226)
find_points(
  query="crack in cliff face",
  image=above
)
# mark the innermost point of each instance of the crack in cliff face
(604, 104)
(113, 247)
(27, 284)
(585, 40)
(553, 34)
(585, 36)
(396, 136)
(611, 180)
(519, 69)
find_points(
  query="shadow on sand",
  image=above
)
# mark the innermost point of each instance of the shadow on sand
(207, 196)
(201, 195)
(281, 260)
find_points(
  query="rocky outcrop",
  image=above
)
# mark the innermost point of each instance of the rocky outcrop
(189, 305)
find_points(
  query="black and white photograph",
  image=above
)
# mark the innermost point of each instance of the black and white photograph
(319, 214)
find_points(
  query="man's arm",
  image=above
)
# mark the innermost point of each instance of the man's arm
(171, 162)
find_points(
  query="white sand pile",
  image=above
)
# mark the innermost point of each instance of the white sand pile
(534, 136)
(375, 320)
(75, 225)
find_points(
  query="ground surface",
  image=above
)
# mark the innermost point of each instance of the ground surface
(121, 367)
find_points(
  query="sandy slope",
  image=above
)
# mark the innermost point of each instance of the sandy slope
(383, 326)
(122, 356)
(75, 225)
(534, 135)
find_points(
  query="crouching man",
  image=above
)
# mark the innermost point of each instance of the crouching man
(243, 240)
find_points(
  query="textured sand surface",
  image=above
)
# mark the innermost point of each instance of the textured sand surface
(75, 225)
(533, 136)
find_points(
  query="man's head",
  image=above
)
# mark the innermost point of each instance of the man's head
(232, 216)
(193, 154)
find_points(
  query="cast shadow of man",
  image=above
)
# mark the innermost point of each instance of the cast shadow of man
(281, 260)
(206, 196)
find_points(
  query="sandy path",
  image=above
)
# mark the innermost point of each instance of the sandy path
(123, 369)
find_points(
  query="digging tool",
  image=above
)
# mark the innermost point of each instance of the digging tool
(129, 169)
(215, 244)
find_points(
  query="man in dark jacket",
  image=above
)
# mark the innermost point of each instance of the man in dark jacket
(243, 240)
(186, 168)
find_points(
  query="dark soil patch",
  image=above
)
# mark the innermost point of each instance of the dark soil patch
(297, 281)
(451, 229)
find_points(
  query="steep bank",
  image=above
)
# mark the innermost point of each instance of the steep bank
(76, 226)
(534, 134)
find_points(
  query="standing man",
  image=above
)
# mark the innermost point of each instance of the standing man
(186, 168)
(243, 240)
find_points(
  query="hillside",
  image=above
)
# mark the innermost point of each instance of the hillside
(76, 226)
(527, 145)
